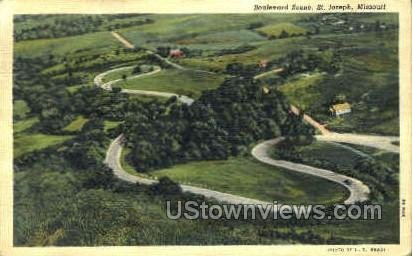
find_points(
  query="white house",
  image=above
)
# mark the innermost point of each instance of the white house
(340, 109)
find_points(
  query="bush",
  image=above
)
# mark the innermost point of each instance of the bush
(166, 186)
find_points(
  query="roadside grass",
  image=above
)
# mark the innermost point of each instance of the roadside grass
(76, 124)
(392, 160)
(118, 74)
(277, 28)
(26, 143)
(330, 152)
(246, 177)
(184, 82)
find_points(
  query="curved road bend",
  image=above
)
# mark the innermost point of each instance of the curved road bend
(358, 190)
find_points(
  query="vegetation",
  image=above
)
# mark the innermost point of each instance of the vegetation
(183, 82)
(29, 27)
(65, 196)
(76, 124)
(221, 123)
(281, 30)
(246, 177)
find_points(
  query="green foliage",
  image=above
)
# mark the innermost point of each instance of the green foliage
(28, 142)
(281, 30)
(166, 187)
(21, 109)
(184, 82)
(244, 176)
(76, 124)
(29, 27)
(216, 126)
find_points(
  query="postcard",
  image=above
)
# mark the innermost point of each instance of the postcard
(205, 127)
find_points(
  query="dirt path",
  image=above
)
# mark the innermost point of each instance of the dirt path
(123, 40)
(274, 71)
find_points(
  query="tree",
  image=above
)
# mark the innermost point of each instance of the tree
(235, 68)
(163, 51)
(136, 70)
(167, 187)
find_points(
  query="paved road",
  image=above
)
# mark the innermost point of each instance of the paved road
(358, 190)
(98, 81)
(113, 161)
(374, 141)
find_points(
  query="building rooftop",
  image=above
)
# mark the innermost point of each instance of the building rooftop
(341, 106)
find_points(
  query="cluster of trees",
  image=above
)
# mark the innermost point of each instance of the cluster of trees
(130, 23)
(255, 25)
(69, 25)
(239, 69)
(236, 50)
(285, 34)
(221, 123)
(56, 107)
(297, 61)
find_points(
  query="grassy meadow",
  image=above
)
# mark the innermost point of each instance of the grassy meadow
(249, 178)
(185, 82)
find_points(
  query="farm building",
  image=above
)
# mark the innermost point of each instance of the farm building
(340, 109)
(176, 53)
(265, 90)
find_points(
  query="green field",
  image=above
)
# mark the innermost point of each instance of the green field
(110, 125)
(76, 124)
(276, 29)
(22, 125)
(296, 90)
(223, 38)
(246, 177)
(185, 82)
(26, 143)
(94, 42)
(175, 29)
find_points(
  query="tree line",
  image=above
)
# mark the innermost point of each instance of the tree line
(223, 122)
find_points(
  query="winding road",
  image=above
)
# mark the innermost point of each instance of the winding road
(358, 190)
